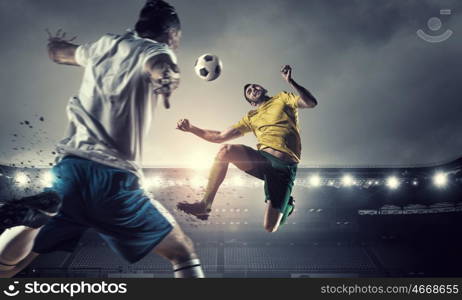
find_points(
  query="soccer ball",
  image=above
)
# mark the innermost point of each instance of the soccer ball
(208, 67)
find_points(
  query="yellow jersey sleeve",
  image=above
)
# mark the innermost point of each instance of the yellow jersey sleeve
(243, 125)
(290, 99)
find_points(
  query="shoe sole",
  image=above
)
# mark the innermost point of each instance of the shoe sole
(13, 215)
(48, 201)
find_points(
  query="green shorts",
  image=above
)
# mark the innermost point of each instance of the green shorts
(279, 177)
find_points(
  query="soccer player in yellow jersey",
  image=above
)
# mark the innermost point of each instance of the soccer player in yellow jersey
(274, 122)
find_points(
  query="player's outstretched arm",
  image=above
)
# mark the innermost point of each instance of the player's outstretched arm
(60, 49)
(307, 100)
(212, 136)
(164, 75)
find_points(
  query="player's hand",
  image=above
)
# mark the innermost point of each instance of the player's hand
(183, 125)
(57, 41)
(167, 80)
(286, 73)
(59, 37)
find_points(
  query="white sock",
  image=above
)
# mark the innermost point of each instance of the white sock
(188, 269)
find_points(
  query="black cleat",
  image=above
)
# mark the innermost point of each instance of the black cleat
(34, 211)
(12, 215)
(48, 201)
(196, 209)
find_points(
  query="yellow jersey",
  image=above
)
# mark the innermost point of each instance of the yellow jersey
(275, 125)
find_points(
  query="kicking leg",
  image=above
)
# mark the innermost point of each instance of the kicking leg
(243, 157)
(178, 248)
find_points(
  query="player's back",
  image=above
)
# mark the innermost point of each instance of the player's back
(114, 107)
(113, 66)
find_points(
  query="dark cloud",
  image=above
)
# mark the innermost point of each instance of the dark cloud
(386, 96)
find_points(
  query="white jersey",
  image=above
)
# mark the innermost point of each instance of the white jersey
(115, 105)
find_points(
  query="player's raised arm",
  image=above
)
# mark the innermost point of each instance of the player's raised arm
(209, 135)
(164, 75)
(307, 100)
(60, 49)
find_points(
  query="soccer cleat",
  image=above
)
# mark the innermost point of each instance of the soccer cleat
(196, 209)
(48, 201)
(34, 211)
(12, 215)
(288, 211)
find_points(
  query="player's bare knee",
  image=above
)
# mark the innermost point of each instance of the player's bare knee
(224, 152)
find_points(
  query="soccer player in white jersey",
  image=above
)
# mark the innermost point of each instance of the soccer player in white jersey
(97, 178)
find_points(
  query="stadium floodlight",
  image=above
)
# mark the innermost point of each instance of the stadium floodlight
(47, 179)
(440, 179)
(348, 180)
(315, 180)
(393, 182)
(21, 179)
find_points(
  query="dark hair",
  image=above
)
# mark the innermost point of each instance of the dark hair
(245, 92)
(156, 18)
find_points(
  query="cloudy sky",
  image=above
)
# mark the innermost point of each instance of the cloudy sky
(386, 97)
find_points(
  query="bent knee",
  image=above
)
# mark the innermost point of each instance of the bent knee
(225, 151)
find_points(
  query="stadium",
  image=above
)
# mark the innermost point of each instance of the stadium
(374, 221)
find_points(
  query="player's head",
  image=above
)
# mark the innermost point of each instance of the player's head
(159, 21)
(254, 93)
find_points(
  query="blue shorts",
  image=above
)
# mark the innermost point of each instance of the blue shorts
(107, 199)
